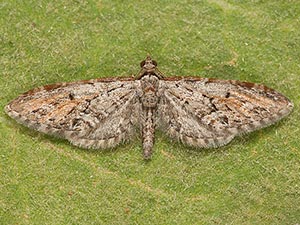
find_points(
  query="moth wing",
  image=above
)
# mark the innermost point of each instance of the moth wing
(204, 112)
(96, 113)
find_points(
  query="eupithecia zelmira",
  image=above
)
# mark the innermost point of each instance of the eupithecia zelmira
(101, 113)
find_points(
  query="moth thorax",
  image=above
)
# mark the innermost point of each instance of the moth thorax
(149, 84)
(149, 99)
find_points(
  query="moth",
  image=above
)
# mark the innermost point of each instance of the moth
(102, 113)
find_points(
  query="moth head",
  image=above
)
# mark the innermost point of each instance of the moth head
(149, 67)
(148, 64)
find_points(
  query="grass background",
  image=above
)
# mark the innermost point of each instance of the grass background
(253, 180)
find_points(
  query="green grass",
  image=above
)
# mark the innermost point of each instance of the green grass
(253, 180)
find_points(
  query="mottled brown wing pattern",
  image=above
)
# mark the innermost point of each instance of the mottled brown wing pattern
(97, 113)
(204, 112)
